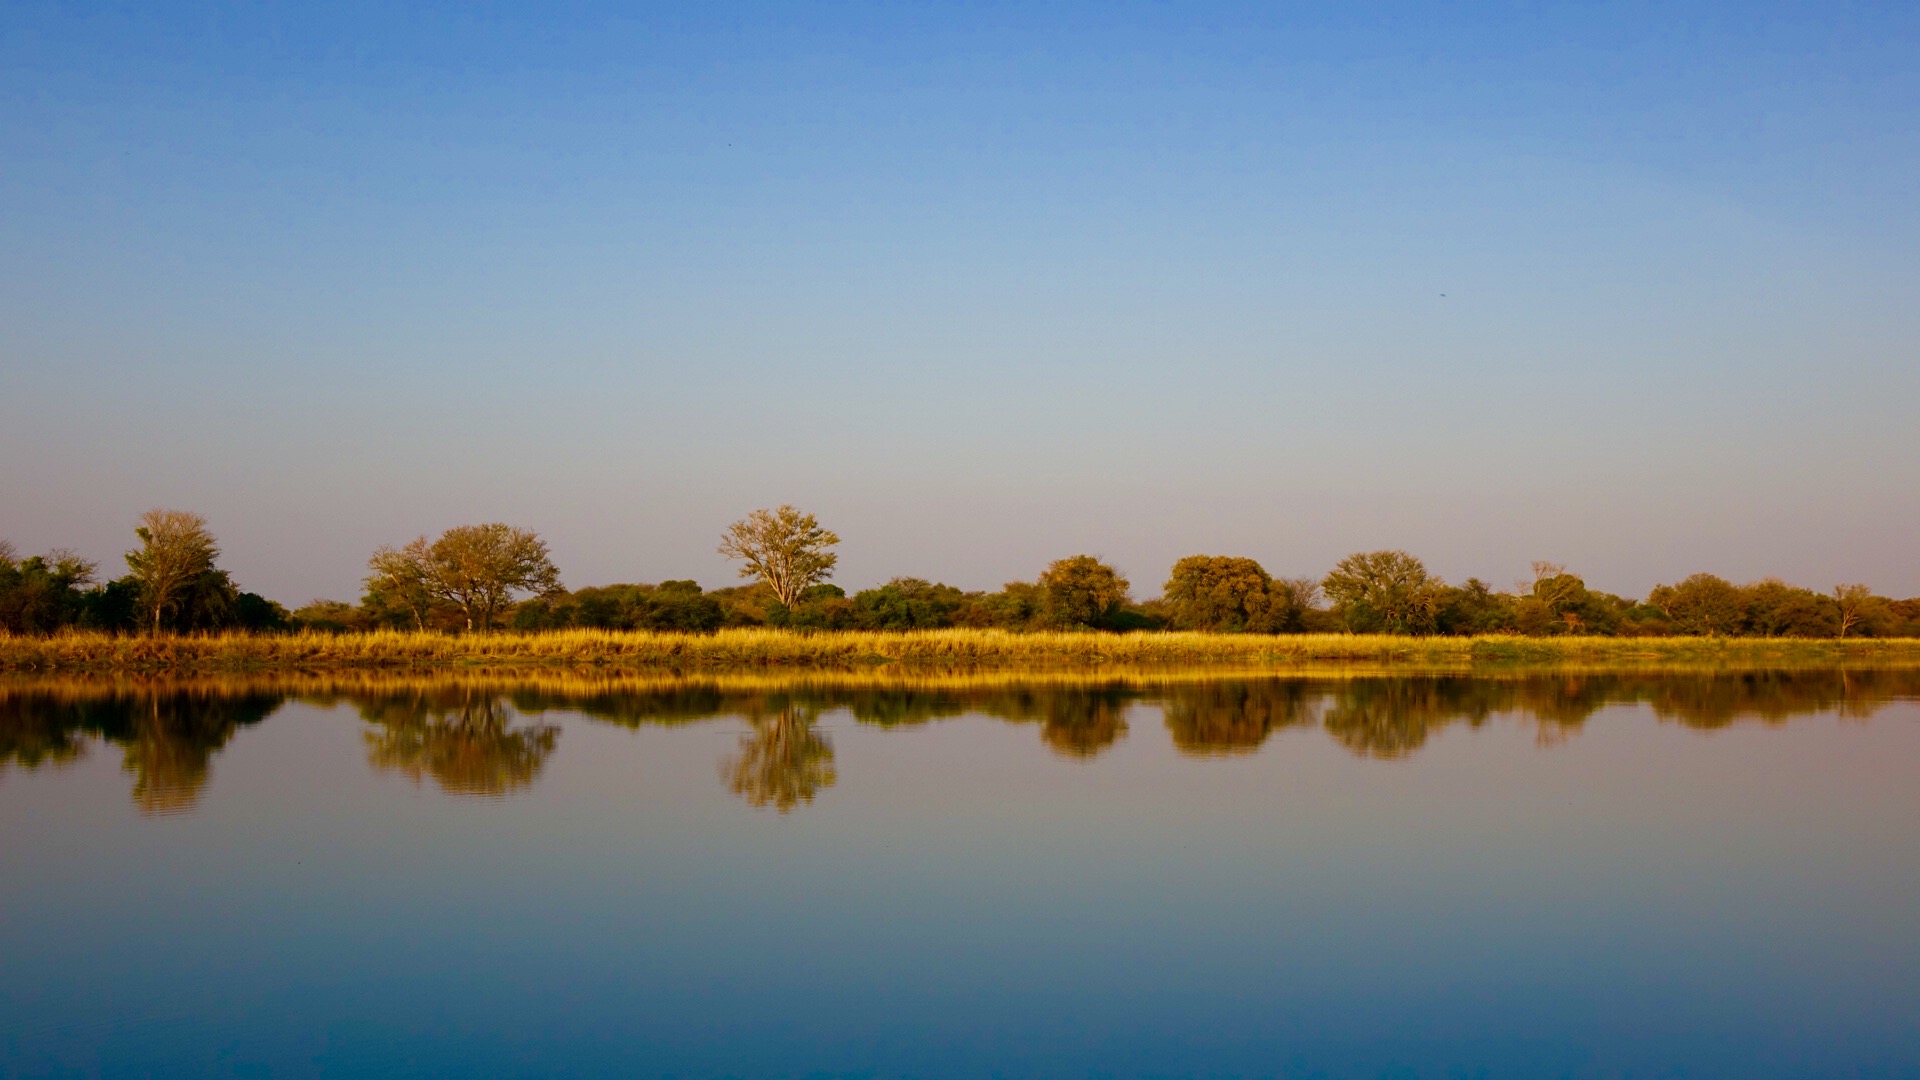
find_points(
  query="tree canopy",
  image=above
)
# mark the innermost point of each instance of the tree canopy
(1082, 592)
(175, 555)
(475, 569)
(1385, 592)
(1224, 593)
(785, 548)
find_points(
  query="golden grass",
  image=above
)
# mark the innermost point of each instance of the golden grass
(746, 650)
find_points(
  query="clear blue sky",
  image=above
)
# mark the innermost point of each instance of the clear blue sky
(1628, 286)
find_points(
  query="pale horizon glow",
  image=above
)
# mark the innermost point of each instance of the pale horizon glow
(1628, 289)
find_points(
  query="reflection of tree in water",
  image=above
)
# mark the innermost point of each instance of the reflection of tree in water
(783, 762)
(472, 737)
(1391, 718)
(1081, 723)
(1218, 719)
(466, 742)
(167, 740)
(1773, 697)
(679, 705)
(39, 734)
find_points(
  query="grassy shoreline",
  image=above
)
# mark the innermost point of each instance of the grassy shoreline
(742, 650)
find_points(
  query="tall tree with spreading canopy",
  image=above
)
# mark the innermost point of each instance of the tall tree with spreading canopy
(475, 568)
(1082, 592)
(1385, 591)
(1221, 592)
(176, 552)
(1703, 605)
(785, 548)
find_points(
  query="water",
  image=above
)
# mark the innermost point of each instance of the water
(1651, 875)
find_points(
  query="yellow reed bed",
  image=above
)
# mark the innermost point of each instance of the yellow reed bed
(764, 648)
(580, 683)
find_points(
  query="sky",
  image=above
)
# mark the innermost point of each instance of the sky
(1628, 287)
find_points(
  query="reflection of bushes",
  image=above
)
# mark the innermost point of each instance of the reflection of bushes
(783, 762)
(35, 734)
(1391, 719)
(167, 740)
(466, 742)
(1774, 697)
(670, 705)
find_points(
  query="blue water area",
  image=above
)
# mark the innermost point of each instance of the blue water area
(1513, 875)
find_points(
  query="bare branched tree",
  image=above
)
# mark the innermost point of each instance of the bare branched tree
(784, 548)
(1852, 601)
(175, 551)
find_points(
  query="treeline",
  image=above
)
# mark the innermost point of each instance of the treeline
(1555, 604)
(479, 577)
(172, 585)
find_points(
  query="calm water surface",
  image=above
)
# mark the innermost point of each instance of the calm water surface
(1342, 876)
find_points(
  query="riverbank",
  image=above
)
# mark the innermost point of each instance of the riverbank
(736, 650)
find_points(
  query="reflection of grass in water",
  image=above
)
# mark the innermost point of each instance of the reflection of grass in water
(762, 648)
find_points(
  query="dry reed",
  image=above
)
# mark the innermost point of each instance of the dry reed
(747, 649)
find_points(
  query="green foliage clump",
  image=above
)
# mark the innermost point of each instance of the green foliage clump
(1081, 592)
(1385, 592)
(670, 605)
(1226, 594)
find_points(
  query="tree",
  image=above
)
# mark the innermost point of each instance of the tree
(257, 614)
(784, 548)
(329, 617)
(210, 601)
(1776, 609)
(907, 604)
(1017, 606)
(475, 568)
(1853, 601)
(1221, 592)
(41, 594)
(1560, 603)
(1703, 604)
(1385, 591)
(1082, 592)
(1474, 608)
(402, 578)
(175, 551)
(478, 568)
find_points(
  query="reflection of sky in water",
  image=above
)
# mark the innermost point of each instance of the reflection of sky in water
(1219, 880)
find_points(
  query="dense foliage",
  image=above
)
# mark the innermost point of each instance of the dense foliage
(172, 586)
(475, 577)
